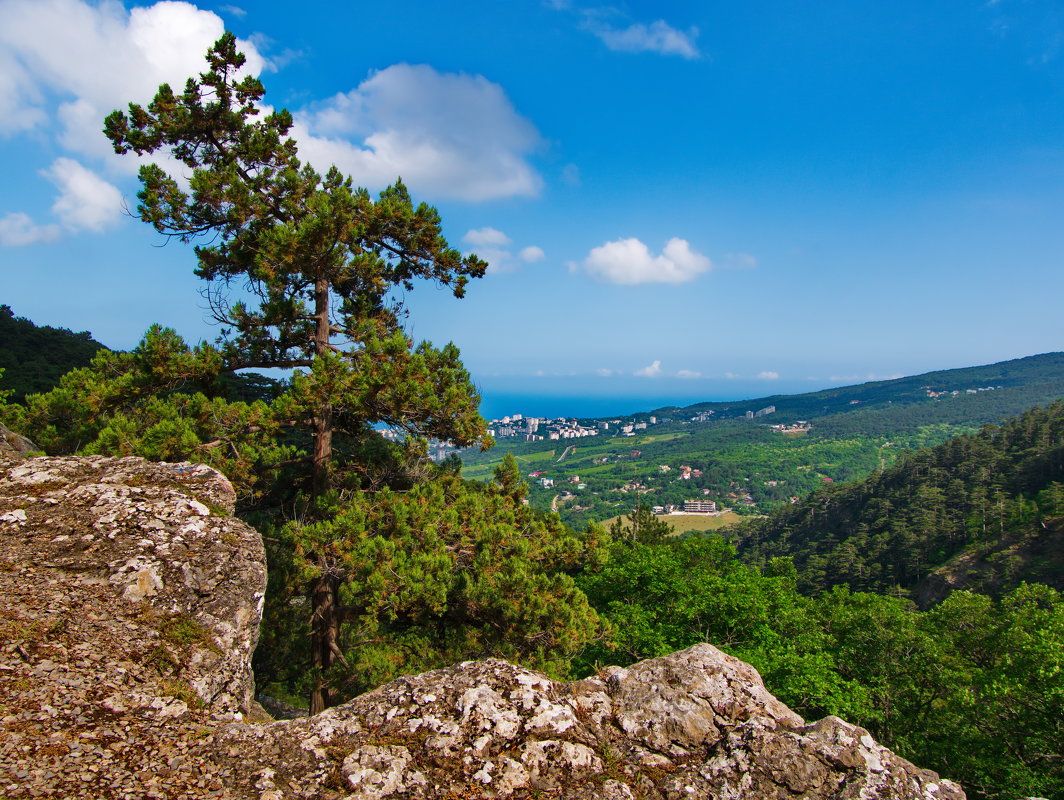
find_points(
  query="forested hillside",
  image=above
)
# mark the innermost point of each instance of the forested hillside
(979, 394)
(33, 358)
(985, 492)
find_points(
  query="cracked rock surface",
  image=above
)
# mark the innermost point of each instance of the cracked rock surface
(129, 607)
(130, 602)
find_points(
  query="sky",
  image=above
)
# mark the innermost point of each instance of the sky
(679, 201)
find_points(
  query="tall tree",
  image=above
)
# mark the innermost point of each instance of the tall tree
(302, 271)
(320, 259)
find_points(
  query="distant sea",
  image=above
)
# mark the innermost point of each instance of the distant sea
(495, 406)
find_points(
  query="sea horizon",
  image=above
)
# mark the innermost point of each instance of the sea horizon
(496, 405)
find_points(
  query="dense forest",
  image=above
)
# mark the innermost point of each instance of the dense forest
(889, 530)
(35, 357)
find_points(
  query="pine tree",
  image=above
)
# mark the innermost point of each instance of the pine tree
(321, 260)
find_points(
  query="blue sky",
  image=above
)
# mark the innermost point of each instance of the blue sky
(679, 200)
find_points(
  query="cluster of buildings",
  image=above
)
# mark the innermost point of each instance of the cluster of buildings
(764, 412)
(535, 429)
(689, 507)
(801, 426)
(955, 392)
(686, 473)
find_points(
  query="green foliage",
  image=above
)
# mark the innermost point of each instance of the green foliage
(158, 401)
(642, 526)
(443, 572)
(33, 358)
(893, 527)
(672, 594)
(973, 688)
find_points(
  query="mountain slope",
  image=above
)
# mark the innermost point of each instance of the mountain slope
(997, 491)
(35, 357)
(966, 395)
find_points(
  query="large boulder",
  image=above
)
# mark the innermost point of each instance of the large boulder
(696, 724)
(129, 607)
(130, 601)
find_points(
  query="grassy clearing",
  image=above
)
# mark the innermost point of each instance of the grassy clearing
(681, 523)
(661, 437)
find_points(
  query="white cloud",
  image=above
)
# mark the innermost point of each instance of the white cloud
(532, 254)
(602, 372)
(88, 59)
(19, 97)
(688, 373)
(768, 375)
(657, 37)
(18, 230)
(731, 376)
(651, 371)
(629, 262)
(236, 11)
(446, 134)
(491, 245)
(482, 237)
(86, 201)
(571, 175)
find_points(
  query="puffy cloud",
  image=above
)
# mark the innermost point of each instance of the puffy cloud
(446, 134)
(629, 262)
(19, 97)
(768, 375)
(482, 237)
(86, 201)
(18, 229)
(657, 37)
(653, 370)
(491, 245)
(532, 254)
(688, 374)
(81, 60)
(602, 372)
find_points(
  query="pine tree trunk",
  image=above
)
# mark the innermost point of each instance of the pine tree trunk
(324, 634)
(324, 628)
(323, 419)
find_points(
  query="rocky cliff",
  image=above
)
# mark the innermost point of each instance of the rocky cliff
(129, 607)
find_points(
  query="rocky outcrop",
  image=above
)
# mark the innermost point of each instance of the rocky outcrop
(696, 724)
(129, 608)
(15, 443)
(130, 602)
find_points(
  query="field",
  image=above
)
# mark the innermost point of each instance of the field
(682, 523)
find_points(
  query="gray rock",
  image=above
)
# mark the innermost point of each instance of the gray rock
(696, 724)
(15, 443)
